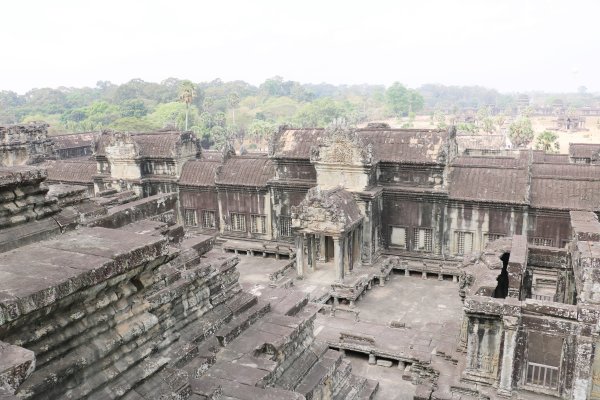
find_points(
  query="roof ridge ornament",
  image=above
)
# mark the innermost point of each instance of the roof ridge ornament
(341, 144)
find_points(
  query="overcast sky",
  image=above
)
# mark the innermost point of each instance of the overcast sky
(509, 45)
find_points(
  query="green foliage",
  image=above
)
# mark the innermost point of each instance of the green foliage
(220, 111)
(400, 100)
(187, 93)
(324, 111)
(440, 119)
(172, 115)
(261, 130)
(520, 132)
(547, 141)
(133, 124)
(466, 127)
(461, 97)
(133, 108)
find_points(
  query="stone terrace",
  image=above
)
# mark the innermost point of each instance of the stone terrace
(418, 333)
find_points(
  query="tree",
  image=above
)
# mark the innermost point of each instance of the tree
(520, 132)
(233, 100)
(400, 100)
(440, 119)
(500, 120)
(133, 108)
(261, 130)
(547, 141)
(187, 92)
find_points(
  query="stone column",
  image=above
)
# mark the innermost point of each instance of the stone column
(582, 374)
(508, 353)
(512, 221)
(300, 255)
(472, 344)
(322, 249)
(313, 249)
(309, 252)
(338, 258)
(345, 250)
(351, 243)
(525, 226)
(360, 243)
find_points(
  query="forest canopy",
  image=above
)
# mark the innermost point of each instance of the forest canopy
(218, 110)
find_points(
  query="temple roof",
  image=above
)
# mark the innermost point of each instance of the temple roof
(393, 145)
(540, 156)
(413, 146)
(248, 170)
(584, 150)
(74, 141)
(199, 173)
(565, 186)
(489, 179)
(72, 171)
(160, 144)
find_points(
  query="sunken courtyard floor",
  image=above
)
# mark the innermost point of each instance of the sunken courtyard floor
(429, 309)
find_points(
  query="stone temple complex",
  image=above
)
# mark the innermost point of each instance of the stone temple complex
(371, 263)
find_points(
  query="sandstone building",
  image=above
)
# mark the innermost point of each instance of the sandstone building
(130, 301)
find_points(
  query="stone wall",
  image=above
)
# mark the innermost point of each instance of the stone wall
(24, 144)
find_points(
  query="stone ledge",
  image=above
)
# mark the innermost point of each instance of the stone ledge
(39, 275)
(16, 364)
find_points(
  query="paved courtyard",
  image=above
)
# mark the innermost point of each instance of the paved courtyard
(430, 310)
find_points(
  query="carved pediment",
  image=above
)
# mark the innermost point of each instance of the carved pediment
(121, 146)
(332, 210)
(342, 145)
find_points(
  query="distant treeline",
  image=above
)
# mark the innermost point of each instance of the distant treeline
(218, 110)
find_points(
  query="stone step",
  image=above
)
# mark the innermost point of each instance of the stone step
(353, 386)
(292, 376)
(341, 377)
(205, 326)
(291, 304)
(240, 323)
(123, 382)
(368, 390)
(124, 335)
(319, 373)
(241, 302)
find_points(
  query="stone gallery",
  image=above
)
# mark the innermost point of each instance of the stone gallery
(122, 257)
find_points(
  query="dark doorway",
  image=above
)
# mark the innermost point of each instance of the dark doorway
(328, 248)
(502, 288)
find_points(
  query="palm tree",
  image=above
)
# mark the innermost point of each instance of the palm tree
(547, 141)
(234, 101)
(187, 92)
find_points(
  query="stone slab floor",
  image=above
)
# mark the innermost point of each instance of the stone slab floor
(417, 302)
(391, 385)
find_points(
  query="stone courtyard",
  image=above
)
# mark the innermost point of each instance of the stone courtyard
(404, 301)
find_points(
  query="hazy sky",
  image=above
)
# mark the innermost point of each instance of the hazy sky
(509, 45)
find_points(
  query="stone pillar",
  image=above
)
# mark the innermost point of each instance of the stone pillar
(360, 243)
(525, 226)
(338, 258)
(300, 255)
(345, 248)
(472, 343)
(508, 353)
(322, 249)
(372, 359)
(582, 374)
(309, 252)
(313, 251)
(512, 221)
